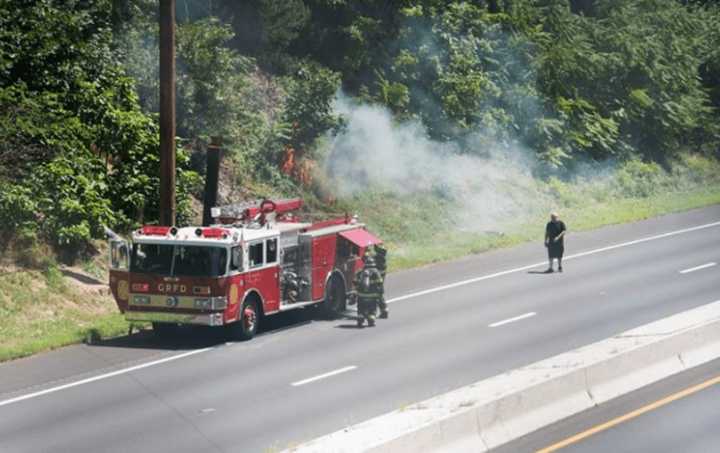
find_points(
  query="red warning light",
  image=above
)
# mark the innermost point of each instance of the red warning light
(155, 230)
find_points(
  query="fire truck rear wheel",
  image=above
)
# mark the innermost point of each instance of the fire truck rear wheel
(246, 327)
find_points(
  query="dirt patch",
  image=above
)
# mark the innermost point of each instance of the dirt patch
(83, 282)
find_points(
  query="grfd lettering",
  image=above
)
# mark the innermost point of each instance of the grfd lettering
(171, 288)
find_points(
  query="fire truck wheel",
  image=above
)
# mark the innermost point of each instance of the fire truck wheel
(335, 298)
(164, 330)
(246, 327)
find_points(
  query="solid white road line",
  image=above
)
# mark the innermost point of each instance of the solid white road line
(323, 376)
(396, 299)
(102, 376)
(516, 318)
(697, 268)
(568, 257)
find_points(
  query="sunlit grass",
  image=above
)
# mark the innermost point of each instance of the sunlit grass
(428, 228)
(42, 311)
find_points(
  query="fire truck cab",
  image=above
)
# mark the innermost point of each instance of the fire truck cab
(256, 261)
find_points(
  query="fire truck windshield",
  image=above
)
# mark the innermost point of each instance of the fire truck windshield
(178, 260)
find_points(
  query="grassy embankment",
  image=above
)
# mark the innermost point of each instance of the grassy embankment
(42, 310)
(425, 228)
(45, 310)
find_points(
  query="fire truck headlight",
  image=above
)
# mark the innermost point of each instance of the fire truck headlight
(204, 304)
(141, 300)
(219, 303)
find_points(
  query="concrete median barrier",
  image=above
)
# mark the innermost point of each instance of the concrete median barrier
(497, 410)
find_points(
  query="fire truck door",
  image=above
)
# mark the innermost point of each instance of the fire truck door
(323, 260)
(348, 258)
(119, 272)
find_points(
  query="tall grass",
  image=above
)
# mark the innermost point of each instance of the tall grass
(429, 227)
(40, 310)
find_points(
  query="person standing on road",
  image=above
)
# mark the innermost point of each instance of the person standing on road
(381, 263)
(370, 291)
(555, 241)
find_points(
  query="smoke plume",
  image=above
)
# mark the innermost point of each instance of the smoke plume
(487, 183)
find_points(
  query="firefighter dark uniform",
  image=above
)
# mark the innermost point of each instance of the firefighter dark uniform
(381, 263)
(370, 291)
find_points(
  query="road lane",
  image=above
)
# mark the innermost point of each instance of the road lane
(680, 413)
(324, 376)
(431, 344)
(698, 268)
(511, 320)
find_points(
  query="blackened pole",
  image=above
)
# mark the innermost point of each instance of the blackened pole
(167, 112)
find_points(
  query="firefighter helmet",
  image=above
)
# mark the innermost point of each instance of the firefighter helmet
(369, 261)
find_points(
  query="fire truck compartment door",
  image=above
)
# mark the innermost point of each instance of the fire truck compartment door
(323, 260)
(361, 238)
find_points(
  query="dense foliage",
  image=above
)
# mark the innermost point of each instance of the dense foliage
(76, 151)
(571, 80)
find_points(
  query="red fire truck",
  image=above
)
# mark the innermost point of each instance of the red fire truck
(256, 260)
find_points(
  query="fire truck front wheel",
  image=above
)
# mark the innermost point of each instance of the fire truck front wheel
(246, 327)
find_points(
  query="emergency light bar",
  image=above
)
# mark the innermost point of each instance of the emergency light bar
(155, 230)
(214, 233)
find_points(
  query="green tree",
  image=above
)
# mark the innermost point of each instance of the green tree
(76, 151)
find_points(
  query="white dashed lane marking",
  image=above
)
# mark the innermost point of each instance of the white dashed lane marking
(323, 376)
(515, 319)
(697, 268)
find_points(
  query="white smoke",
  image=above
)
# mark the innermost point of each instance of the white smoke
(488, 183)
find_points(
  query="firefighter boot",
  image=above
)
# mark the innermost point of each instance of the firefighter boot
(382, 305)
(372, 313)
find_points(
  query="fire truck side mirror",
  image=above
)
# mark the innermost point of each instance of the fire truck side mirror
(119, 255)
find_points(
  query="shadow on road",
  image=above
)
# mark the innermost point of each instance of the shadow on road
(348, 326)
(198, 337)
(186, 338)
(540, 272)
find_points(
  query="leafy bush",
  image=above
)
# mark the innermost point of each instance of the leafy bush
(18, 212)
(640, 179)
(72, 197)
(308, 107)
(76, 152)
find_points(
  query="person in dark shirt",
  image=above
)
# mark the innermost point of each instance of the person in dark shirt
(555, 241)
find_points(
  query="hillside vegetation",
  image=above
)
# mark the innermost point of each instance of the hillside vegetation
(454, 123)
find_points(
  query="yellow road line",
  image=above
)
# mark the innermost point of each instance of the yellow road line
(630, 415)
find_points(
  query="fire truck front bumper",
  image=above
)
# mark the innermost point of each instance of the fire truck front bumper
(200, 319)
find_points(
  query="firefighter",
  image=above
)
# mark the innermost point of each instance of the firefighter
(381, 263)
(370, 289)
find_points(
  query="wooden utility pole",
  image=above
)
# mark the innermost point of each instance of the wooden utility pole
(167, 112)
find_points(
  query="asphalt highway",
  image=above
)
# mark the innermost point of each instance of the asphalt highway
(450, 325)
(678, 414)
